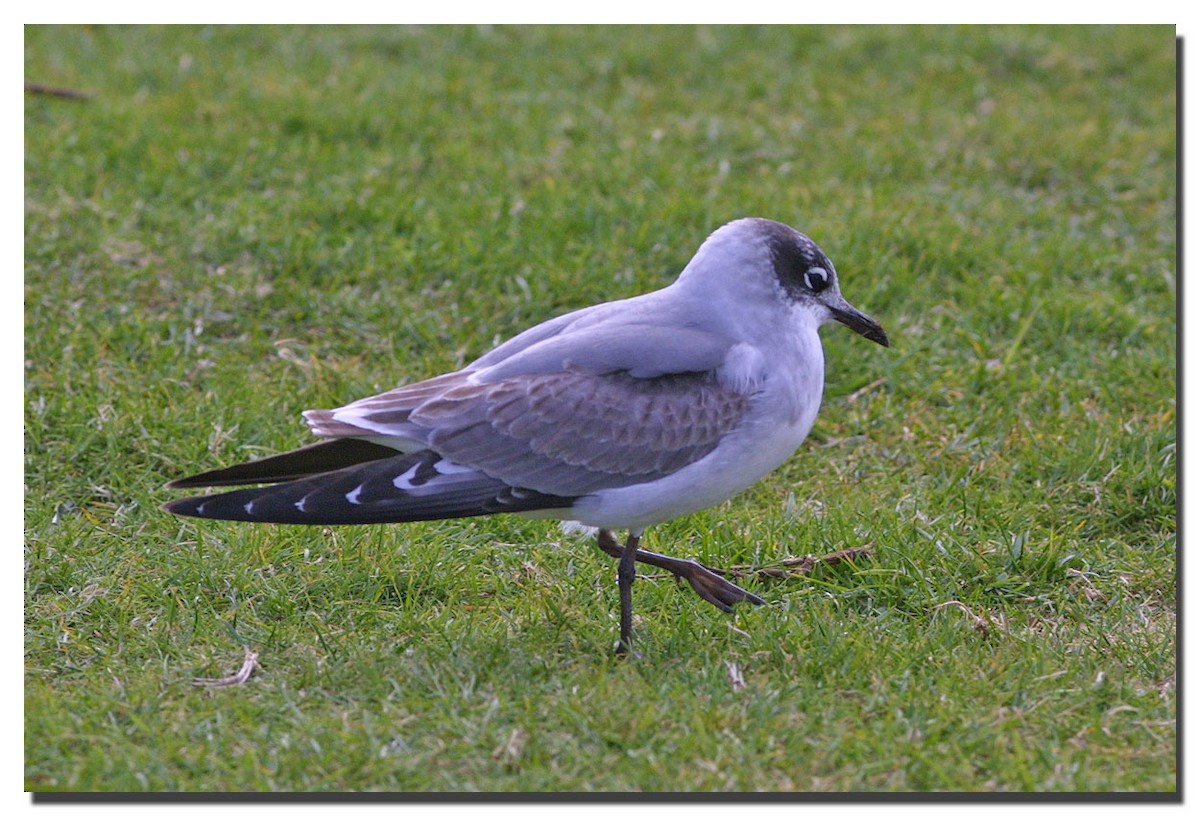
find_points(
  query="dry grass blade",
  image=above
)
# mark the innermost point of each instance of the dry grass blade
(61, 93)
(249, 662)
(735, 676)
(794, 567)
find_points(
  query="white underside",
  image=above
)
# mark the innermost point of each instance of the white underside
(733, 467)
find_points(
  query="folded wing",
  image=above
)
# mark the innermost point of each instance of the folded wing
(574, 432)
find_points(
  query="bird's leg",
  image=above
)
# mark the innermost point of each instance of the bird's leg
(626, 571)
(708, 585)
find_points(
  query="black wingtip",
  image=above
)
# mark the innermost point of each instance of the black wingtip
(321, 457)
(233, 506)
(183, 507)
(369, 493)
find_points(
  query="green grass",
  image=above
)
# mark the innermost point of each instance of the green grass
(243, 223)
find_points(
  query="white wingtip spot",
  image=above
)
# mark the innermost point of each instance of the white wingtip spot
(448, 468)
(404, 480)
(352, 496)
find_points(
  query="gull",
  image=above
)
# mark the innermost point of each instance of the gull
(616, 416)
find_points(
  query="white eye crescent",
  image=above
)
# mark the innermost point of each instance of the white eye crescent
(816, 278)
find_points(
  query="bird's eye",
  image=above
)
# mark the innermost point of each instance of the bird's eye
(816, 278)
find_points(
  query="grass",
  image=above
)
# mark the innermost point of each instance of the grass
(241, 223)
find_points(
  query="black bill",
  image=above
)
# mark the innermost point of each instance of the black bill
(867, 326)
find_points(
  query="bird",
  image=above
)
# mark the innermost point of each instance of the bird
(616, 416)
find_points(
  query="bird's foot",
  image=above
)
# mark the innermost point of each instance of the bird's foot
(708, 584)
(626, 651)
(713, 588)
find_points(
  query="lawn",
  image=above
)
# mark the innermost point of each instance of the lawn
(237, 224)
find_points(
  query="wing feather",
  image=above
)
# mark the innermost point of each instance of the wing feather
(575, 430)
(403, 487)
(286, 467)
(568, 415)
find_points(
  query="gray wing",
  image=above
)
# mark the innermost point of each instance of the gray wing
(585, 408)
(573, 432)
(383, 418)
(639, 349)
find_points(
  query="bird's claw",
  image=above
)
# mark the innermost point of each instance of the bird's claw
(716, 590)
